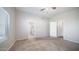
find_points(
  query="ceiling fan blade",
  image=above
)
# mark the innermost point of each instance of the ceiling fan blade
(53, 8)
(43, 9)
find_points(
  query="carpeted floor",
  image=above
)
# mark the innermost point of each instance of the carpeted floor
(45, 44)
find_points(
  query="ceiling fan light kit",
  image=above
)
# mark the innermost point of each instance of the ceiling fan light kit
(53, 8)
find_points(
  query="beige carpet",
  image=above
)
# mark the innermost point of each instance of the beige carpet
(44, 44)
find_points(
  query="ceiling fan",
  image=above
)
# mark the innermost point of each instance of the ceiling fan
(53, 8)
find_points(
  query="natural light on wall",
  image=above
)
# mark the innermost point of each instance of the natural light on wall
(3, 24)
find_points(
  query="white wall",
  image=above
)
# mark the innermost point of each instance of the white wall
(70, 24)
(11, 39)
(22, 25)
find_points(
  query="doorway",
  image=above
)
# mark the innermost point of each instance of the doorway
(31, 30)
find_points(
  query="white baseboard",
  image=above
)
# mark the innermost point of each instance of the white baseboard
(72, 41)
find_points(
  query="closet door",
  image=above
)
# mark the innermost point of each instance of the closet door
(60, 28)
(53, 29)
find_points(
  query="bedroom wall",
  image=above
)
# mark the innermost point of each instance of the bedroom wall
(70, 24)
(6, 45)
(23, 21)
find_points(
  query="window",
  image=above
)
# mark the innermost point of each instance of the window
(3, 23)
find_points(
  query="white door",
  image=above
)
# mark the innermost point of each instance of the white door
(53, 29)
(60, 28)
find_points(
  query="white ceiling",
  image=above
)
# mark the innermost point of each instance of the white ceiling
(48, 12)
